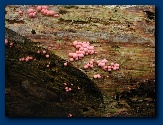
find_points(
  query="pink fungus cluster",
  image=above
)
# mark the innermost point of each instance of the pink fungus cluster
(44, 10)
(65, 64)
(31, 13)
(98, 76)
(90, 64)
(69, 115)
(68, 89)
(112, 66)
(83, 48)
(26, 59)
(10, 43)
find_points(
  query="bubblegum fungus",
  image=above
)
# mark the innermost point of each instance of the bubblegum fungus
(43, 51)
(65, 64)
(65, 84)
(6, 41)
(47, 56)
(20, 12)
(69, 115)
(39, 8)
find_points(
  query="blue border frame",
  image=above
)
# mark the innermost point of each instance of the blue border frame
(159, 80)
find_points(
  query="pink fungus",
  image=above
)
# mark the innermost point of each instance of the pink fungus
(47, 56)
(109, 69)
(79, 88)
(67, 90)
(69, 115)
(111, 64)
(70, 89)
(91, 66)
(75, 55)
(47, 65)
(95, 76)
(30, 57)
(30, 11)
(117, 65)
(71, 59)
(66, 87)
(98, 76)
(86, 67)
(6, 41)
(27, 59)
(51, 13)
(44, 52)
(22, 59)
(31, 15)
(75, 43)
(56, 15)
(65, 64)
(70, 54)
(44, 7)
(65, 84)
(72, 84)
(39, 8)
(20, 12)
(38, 51)
(114, 68)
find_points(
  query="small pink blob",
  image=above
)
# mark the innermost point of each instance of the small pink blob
(44, 52)
(65, 84)
(114, 68)
(77, 58)
(67, 90)
(109, 69)
(47, 56)
(39, 8)
(92, 60)
(44, 7)
(30, 15)
(71, 59)
(69, 115)
(65, 64)
(72, 84)
(117, 65)
(6, 41)
(20, 12)
(47, 66)
(30, 11)
(98, 76)
(70, 89)
(79, 88)
(91, 66)
(70, 54)
(111, 64)
(52, 13)
(56, 15)
(42, 11)
(86, 67)
(22, 59)
(38, 51)
(78, 46)
(30, 57)
(75, 43)
(75, 55)
(66, 87)
(27, 59)
(95, 76)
